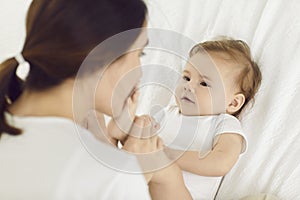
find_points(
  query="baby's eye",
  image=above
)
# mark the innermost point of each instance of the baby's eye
(204, 84)
(186, 78)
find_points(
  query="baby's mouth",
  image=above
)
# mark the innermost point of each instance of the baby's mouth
(187, 100)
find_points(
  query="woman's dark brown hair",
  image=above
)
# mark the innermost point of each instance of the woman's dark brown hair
(59, 35)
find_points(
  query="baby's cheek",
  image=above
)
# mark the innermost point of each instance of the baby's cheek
(204, 102)
(178, 93)
(179, 90)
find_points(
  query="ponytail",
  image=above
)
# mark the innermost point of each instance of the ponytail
(10, 89)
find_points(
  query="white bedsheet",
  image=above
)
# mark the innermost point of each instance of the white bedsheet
(272, 29)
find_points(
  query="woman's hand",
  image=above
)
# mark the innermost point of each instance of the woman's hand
(142, 138)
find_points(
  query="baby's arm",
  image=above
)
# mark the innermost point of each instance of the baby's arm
(218, 161)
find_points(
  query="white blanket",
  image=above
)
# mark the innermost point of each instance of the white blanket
(272, 29)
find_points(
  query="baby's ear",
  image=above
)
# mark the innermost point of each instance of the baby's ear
(236, 103)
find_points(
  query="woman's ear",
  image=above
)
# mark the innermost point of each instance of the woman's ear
(236, 103)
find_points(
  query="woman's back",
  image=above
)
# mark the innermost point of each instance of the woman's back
(54, 164)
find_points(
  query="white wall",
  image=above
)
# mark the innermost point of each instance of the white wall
(12, 26)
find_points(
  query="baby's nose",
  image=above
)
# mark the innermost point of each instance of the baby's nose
(188, 88)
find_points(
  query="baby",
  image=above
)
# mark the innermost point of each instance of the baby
(202, 132)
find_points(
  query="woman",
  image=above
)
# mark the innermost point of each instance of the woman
(40, 154)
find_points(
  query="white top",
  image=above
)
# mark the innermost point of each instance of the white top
(49, 161)
(197, 133)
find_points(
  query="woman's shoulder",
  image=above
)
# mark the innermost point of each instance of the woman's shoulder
(73, 158)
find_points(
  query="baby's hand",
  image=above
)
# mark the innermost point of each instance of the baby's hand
(144, 127)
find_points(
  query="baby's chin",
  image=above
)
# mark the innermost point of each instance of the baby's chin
(193, 112)
(188, 112)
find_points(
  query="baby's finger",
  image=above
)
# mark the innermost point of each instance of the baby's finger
(155, 126)
(137, 127)
(147, 132)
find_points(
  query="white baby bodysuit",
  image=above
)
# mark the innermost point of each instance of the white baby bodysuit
(196, 133)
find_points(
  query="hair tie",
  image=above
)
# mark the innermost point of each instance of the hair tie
(23, 67)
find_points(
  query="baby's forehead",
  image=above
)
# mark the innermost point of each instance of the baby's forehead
(213, 65)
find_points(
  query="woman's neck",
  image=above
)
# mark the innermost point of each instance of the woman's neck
(56, 101)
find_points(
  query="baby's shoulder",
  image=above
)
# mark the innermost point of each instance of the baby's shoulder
(227, 123)
(226, 118)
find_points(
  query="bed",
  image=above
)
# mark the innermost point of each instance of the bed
(272, 30)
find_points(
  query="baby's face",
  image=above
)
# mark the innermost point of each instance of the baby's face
(207, 85)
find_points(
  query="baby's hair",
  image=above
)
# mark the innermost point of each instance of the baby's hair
(250, 77)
